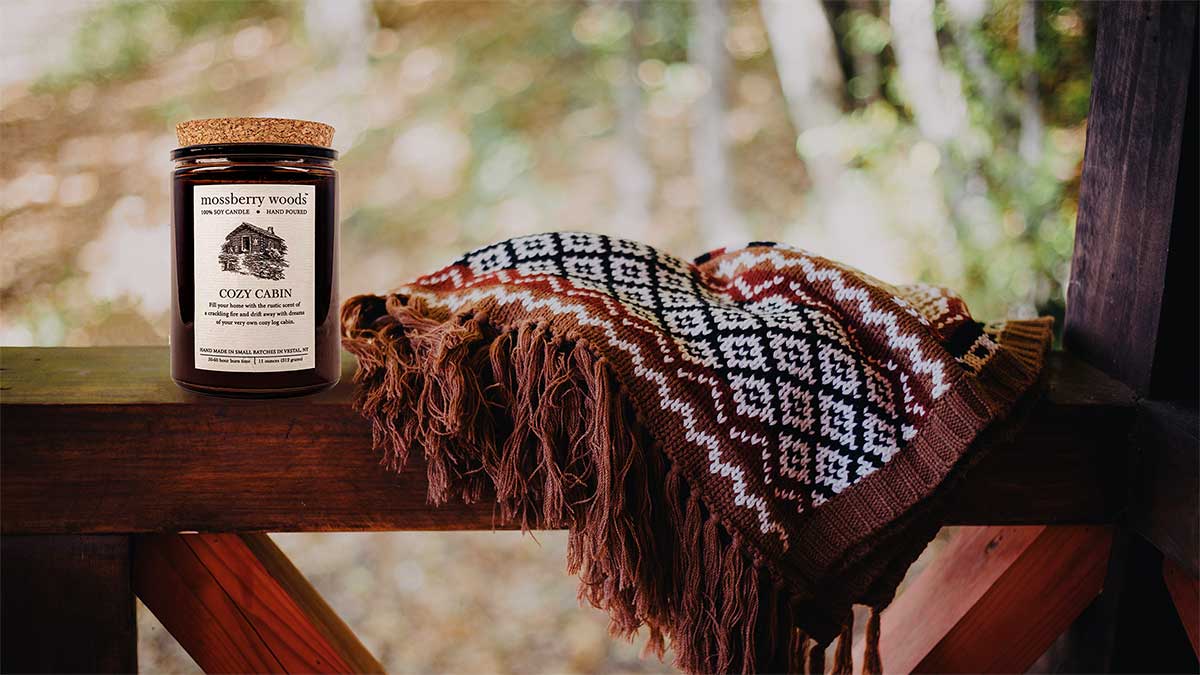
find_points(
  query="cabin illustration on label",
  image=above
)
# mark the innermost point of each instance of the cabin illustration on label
(249, 249)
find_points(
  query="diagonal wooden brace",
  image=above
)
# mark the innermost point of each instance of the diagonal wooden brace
(237, 604)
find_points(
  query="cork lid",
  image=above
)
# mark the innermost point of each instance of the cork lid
(220, 130)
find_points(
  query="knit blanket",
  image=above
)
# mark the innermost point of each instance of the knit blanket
(741, 447)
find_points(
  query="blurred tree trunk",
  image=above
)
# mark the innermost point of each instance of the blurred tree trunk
(935, 96)
(1030, 144)
(964, 21)
(939, 108)
(632, 176)
(965, 16)
(720, 221)
(340, 33)
(845, 216)
(806, 59)
(866, 63)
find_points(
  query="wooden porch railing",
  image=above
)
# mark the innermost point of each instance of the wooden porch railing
(105, 462)
(100, 441)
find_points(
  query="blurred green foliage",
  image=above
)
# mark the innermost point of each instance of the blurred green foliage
(1035, 200)
(463, 122)
(121, 37)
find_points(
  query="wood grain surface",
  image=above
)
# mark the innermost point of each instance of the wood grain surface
(1131, 311)
(68, 605)
(236, 605)
(995, 599)
(1144, 54)
(100, 440)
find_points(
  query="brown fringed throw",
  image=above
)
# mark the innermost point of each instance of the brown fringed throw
(741, 448)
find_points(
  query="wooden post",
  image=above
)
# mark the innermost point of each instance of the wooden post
(68, 606)
(1131, 311)
(1115, 310)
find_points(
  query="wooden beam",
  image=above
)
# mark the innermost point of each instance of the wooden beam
(173, 583)
(1164, 506)
(1051, 468)
(994, 600)
(1133, 627)
(100, 440)
(1184, 589)
(67, 605)
(236, 604)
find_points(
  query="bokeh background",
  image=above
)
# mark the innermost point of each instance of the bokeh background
(935, 140)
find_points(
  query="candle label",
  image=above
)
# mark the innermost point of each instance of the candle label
(254, 267)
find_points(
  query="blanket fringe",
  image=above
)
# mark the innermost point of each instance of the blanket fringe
(538, 422)
(843, 658)
(798, 660)
(808, 656)
(816, 659)
(872, 663)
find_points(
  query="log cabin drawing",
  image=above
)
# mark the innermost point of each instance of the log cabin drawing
(249, 238)
(249, 249)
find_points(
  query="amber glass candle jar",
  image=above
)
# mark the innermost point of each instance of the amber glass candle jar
(254, 311)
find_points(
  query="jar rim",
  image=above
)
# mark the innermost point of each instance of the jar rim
(259, 149)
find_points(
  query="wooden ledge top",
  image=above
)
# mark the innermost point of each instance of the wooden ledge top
(101, 440)
(142, 376)
(123, 376)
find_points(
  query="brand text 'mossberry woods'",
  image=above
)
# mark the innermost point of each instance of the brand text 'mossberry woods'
(299, 199)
